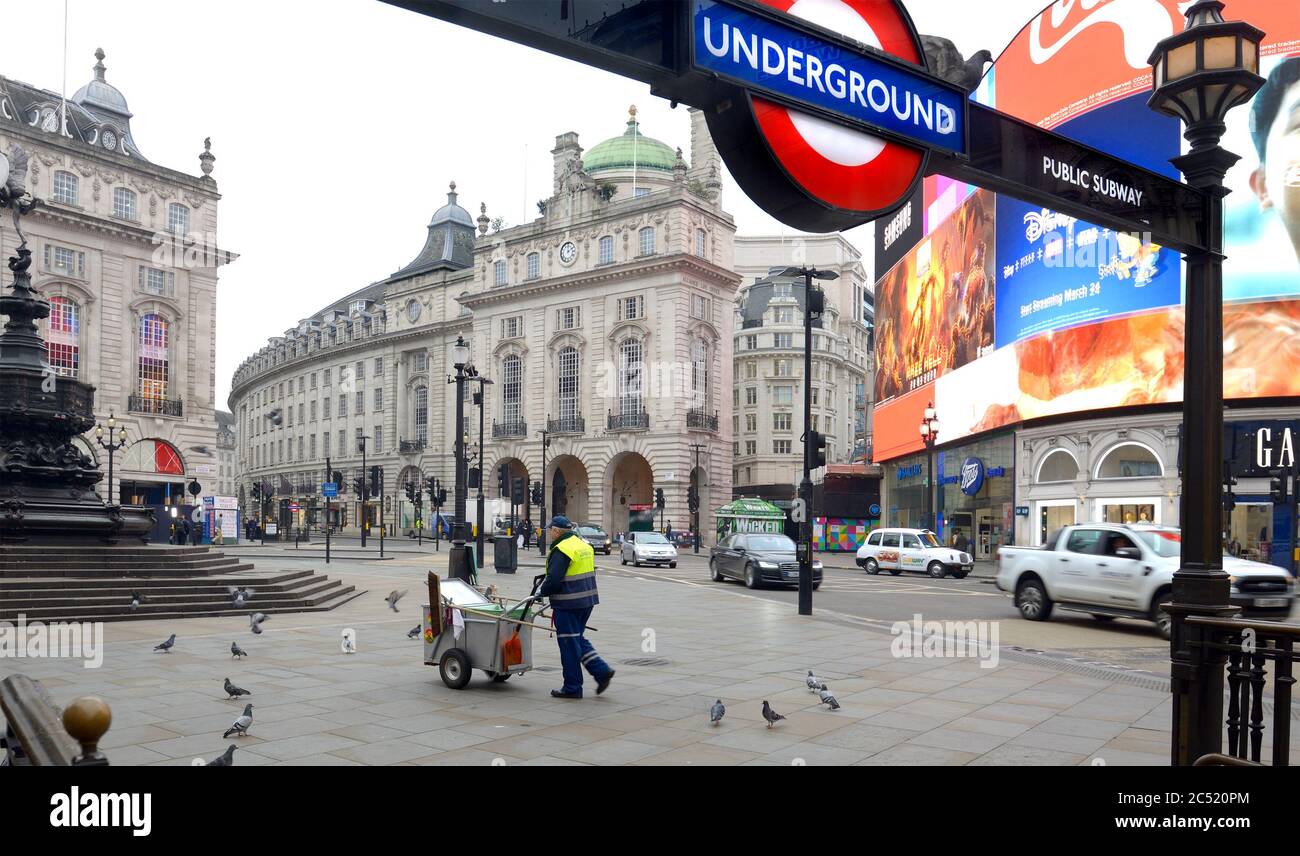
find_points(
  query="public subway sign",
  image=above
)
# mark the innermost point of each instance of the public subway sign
(871, 91)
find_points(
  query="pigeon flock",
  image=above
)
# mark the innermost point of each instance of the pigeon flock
(770, 716)
(239, 597)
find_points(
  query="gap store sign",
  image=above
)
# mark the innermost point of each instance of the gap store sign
(767, 55)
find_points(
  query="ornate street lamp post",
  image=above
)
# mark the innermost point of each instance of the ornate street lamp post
(1199, 75)
(457, 561)
(114, 443)
(930, 436)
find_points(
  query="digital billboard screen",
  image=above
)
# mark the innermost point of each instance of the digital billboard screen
(1077, 317)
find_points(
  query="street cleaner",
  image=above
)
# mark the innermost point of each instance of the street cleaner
(571, 586)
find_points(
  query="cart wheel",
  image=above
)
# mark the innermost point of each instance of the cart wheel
(454, 669)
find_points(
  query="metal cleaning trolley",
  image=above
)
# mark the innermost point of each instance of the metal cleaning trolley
(463, 629)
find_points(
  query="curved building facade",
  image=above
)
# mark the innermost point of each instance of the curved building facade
(604, 326)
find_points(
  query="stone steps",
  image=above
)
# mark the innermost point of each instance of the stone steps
(96, 583)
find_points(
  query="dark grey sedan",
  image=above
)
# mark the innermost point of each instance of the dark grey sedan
(758, 559)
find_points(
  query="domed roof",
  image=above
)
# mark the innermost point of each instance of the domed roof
(99, 93)
(451, 212)
(632, 147)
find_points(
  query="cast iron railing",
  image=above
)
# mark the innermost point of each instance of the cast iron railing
(156, 406)
(566, 425)
(698, 418)
(38, 734)
(1248, 648)
(628, 421)
(509, 429)
(411, 447)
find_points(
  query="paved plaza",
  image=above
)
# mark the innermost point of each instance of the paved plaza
(676, 647)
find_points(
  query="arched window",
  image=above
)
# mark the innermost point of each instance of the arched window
(65, 187)
(569, 383)
(1129, 461)
(178, 219)
(607, 250)
(151, 374)
(1058, 466)
(700, 373)
(63, 338)
(124, 207)
(630, 390)
(421, 415)
(511, 389)
(647, 239)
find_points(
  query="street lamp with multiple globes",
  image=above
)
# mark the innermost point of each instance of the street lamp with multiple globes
(114, 443)
(930, 436)
(1199, 74)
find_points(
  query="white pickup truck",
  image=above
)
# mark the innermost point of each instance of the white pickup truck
(1113, 570)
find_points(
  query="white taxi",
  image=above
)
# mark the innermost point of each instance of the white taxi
(898, 550)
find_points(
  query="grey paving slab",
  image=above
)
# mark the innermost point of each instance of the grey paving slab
(317, 706)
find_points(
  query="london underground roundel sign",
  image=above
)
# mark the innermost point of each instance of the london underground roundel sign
(808, 171)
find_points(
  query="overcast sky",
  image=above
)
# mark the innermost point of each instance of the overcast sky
(337, 126)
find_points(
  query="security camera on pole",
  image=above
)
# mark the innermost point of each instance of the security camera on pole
(814, 443)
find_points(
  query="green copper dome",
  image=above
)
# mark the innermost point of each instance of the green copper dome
(619, 152)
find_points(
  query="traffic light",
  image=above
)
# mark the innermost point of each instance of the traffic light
(537, 493)
(660, 502)
(359, 485)
(1229, 496)
(816, 302)
(257, 491)
(472, 478)
(692, 499)
(376, 481)
(410, 491)
(442, 497)
(818, 450)
(1277, 486)
(517, 491)
(503, 480)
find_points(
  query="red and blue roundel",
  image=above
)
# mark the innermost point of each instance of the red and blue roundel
(841, 177)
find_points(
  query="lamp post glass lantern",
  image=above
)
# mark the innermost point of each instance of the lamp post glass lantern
(930, 436)
(1198, 75)
(115, 441)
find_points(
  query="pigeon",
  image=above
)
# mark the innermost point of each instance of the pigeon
(718, 711)
(255, 622)
(236, 651)
(240, 725)
(770, 715)
(225, 759)
(813, 682)
(239, 597)
(829, 699)
(166, 646)
(393, 597)
(276, 416)
(349, 647)
(233, 691)
(413, 632)
(136, 600)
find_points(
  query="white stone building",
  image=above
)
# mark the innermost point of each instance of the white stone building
(606, 321)
(125, 252)
(767, 399)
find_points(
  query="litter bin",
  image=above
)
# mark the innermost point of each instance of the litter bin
(505, 555)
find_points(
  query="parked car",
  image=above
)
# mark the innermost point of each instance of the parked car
(898, 550)
(758, 559)
(596, 537)
(1113, 570)
(647, 548)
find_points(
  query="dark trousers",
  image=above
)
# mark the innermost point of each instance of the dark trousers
(576, 653)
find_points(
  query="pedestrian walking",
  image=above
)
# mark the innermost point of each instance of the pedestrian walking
(571, 585)
(218, 537)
